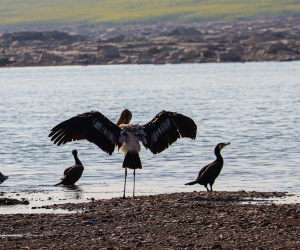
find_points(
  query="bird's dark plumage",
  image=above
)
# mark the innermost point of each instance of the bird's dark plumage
(91, 126)
(209, 173)
(3, 178)
(165, 128)
(161, 132)
(72, 174)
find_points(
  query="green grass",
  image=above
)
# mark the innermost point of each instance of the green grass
(110, 12)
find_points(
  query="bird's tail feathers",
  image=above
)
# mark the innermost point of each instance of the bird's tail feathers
(58, 184)
(191, 183)
(132, 160)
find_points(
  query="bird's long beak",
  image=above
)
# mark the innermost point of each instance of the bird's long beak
(225, 144)
(120, 121)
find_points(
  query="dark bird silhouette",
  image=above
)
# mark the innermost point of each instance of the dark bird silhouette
(72, 174)
(157, 135)
(3, 178)
(209, 173)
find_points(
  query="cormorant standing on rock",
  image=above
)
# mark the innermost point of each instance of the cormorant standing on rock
(3, 178)
(72, 174)
(210, 172)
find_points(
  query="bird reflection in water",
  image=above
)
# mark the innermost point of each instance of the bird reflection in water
(73, 192)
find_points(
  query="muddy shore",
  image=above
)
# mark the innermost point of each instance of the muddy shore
(203, 220)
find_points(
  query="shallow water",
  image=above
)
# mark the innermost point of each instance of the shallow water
(255, 106)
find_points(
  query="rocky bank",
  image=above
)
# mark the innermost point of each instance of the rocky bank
(269, 39)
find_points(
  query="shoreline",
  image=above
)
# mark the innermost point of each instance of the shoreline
(204, 220)
(272, 39)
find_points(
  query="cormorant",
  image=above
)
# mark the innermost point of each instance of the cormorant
(157, 135)
(3, 178)
(209, 173)
(72, 174)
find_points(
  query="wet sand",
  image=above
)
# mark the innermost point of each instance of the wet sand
(204, 220)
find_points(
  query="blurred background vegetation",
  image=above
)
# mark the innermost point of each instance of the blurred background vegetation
(24, 13)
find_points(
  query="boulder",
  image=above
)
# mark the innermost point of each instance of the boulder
(258, 38)
(214, 47)
(189, 54)
(229, 56)
(42, 36)
(153, 51)
(175, 54)
(86, 58)
(111, 53)
(185, 32)
(46, 57)
(16, 44)
(273, 48)
(160, 58)
(207, 53)
(4, 61)
(286, 53)
(143, 58)
(119, 38)
(27, 57)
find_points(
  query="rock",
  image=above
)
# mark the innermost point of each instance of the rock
(175, 54)
(119, 38)
(4, 61)
(153, 51)
(286, 53)
(214, 47)
(229, 56)
(42, 36)
(143, 58)
(185, 32)
(207, 53)
(27, 57)
(160, 58)
(189, 54)
(87, 59)
(111, 53)
(15, 44)
(216, 246)
(257, 38)
(126, 60)
(49, 57)
(273, 48)
(166, 48)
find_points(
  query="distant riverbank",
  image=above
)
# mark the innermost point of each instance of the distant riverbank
(271, 39)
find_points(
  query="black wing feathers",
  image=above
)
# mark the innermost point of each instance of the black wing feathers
(92, 126)
(185, 125)
(165, 128)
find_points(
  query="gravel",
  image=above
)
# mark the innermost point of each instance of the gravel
(203, 220)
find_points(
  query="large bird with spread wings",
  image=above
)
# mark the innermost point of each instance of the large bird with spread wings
(157, 135)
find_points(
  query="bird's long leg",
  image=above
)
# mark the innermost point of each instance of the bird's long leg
(210, 187)
(206, 187)
(125, 183)
(133, 182)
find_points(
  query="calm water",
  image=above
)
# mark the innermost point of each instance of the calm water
(255, 106)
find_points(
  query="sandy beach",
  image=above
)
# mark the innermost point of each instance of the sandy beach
(196, 220)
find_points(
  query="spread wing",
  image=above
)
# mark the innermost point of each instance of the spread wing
(165, 128)
(91, 126)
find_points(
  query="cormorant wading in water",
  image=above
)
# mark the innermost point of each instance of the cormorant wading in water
(72, 174)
